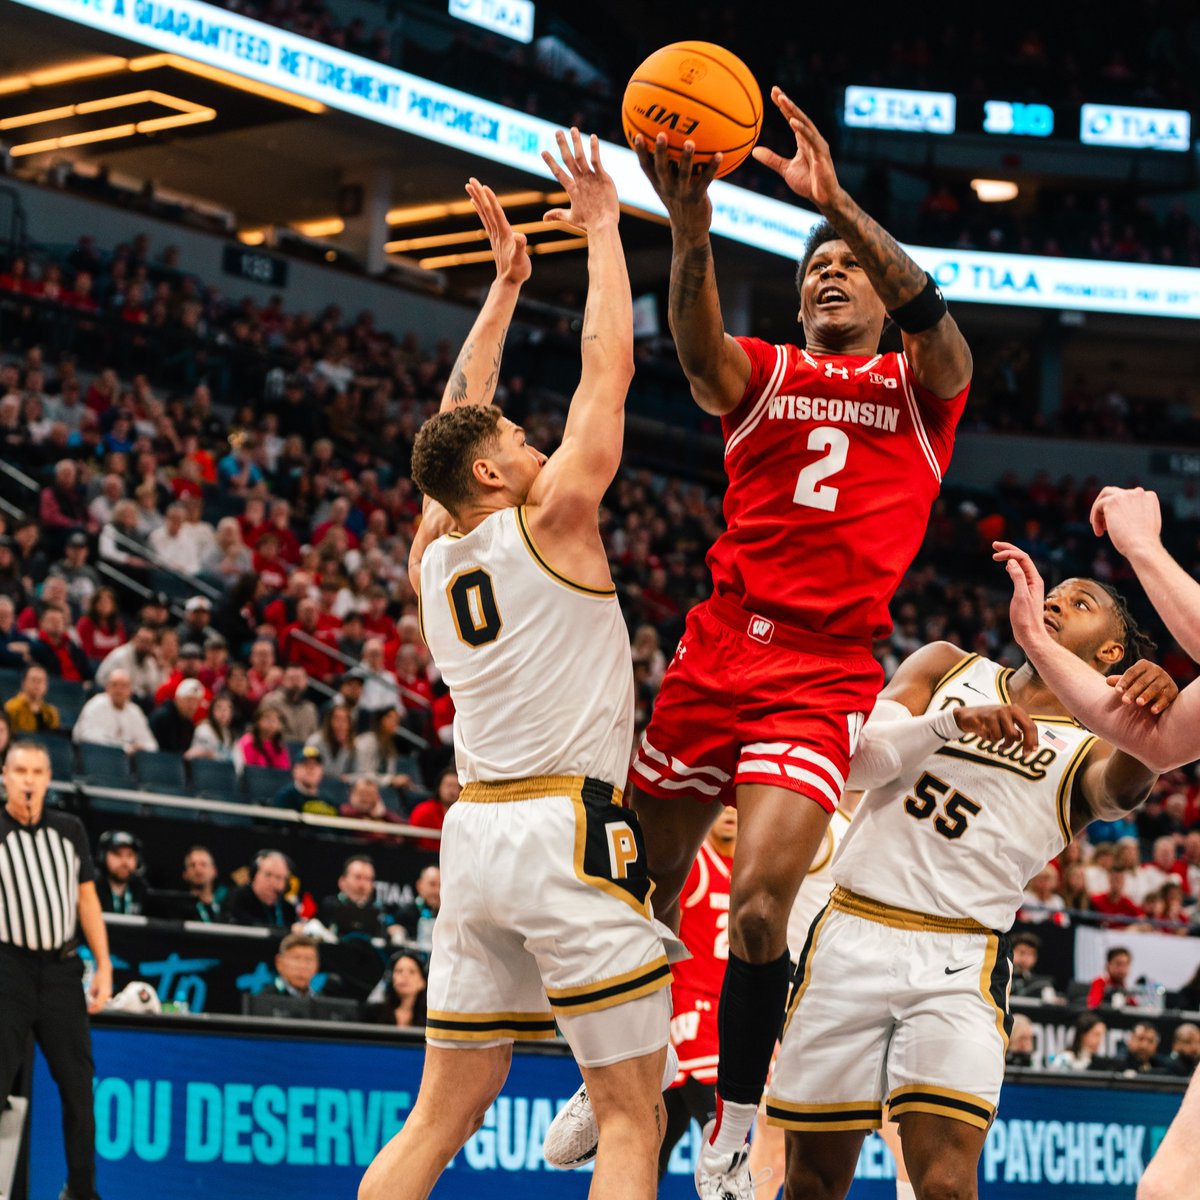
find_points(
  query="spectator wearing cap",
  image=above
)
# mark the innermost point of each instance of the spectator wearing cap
(263, 901)
(101, 629)
(119, 883)
(173, 723)
(191, 658)
(156, 611)
(431, 814)
(112, 719)
(304, 794)
(138, 658)
(83, 582)
(197, 615)
(296, 710)
(29, 711)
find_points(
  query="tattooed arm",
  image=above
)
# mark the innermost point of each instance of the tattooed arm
(940, 357)
(717, 368)
(477, 368)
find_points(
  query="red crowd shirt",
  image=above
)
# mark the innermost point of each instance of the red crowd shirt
(429, 814)
(834, 462)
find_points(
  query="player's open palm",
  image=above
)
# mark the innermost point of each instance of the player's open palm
(592, 193)
(809, 172)
(681, 186)
(1027, 609)
(508, 247)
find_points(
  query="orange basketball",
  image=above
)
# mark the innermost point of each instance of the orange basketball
(696, 91)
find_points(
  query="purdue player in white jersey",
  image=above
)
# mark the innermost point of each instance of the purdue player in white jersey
(900, 997)
(545, 897)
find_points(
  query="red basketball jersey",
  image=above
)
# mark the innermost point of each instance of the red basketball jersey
(834, 462)
(704, 924)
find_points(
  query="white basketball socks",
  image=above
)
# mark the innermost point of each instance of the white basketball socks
(734, 1122)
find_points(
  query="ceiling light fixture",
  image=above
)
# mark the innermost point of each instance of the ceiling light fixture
(321, 227)
(458, 239)
(994, 191)
(482, 256)
(107, 65)
(461, 208)
(151, 62)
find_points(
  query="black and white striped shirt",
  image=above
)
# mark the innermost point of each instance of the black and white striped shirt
(41, 868)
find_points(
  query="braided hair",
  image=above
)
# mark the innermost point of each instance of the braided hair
(1138, 643)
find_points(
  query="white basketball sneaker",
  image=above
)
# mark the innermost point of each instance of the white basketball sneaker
(722, 1176)
(574, 1135)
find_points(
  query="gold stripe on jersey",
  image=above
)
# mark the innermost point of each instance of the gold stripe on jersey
(850, 902)
(1066, 785)
(804, 966)
(421, 619)
(605, 993)
(537, 787)
(941, 1102)
(825, 1118)
(557, 576)
(954, 672)
(482, 1027)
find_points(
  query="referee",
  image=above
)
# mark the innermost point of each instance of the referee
(48, 893)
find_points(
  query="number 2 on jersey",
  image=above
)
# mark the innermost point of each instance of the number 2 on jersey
(810, 490)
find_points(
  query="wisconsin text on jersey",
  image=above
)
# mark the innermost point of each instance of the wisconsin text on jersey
(850, 412)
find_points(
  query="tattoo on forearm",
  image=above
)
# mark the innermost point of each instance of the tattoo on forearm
(457, 387)
(691, 273)
(490, 385)
(895, 277)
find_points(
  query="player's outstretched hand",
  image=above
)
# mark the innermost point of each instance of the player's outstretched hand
(1027, 610)
(1147, 685)
(591, 190)
(682, 186)
(508, 248)
(1003, 725)
(1131, 518)
(809, 172)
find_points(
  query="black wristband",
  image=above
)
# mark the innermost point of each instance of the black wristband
(923, 311)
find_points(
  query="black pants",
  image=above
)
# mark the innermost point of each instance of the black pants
(44, 994)
(690, 1099)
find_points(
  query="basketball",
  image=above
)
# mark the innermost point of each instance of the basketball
(697, 91)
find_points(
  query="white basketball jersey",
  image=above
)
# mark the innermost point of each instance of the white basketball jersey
(964, 836)
(817, 885)
(538, 665)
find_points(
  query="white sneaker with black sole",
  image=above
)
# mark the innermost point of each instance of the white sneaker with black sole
(722, 1176)
(573, 1135)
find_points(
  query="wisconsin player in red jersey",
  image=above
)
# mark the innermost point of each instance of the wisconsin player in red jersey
(696, 988)
(835, 454)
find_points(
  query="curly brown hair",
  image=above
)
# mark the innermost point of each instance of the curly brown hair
(445, 448)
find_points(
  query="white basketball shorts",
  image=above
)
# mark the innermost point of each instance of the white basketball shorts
(891, 1006)
(546, 916)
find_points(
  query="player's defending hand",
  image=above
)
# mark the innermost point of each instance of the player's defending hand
(1131, 518)
(1002, 725)
(1147, 685)
(508, 248)
(682, 186)
(593, 194)
(809, 172)
(1027, 610)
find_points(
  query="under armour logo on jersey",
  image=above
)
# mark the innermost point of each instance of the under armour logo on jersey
(761, 630)
(831, 369)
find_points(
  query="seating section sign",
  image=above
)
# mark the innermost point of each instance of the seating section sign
(187, 1114)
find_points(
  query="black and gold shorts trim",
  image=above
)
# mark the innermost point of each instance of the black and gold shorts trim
(941, 1102)
(825, 1118)
(485, 1027)
(604, 993)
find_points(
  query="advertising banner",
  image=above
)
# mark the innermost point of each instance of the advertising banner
(188, 1114)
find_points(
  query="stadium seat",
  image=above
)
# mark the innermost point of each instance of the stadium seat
(335, 791)
(105, 766)
(62, 758)
(261, 783)
(294, 749)
(158, 771)
(66, 694)
(10, 682)
(214, 779)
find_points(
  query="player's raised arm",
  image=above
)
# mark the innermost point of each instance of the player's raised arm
(933, 343)
(477, 368)
(1161, 741)
(578, 474)
(717, 368)
(1133, 521)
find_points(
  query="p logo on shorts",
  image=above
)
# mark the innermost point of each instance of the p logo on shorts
(622, 849)
(761, 630)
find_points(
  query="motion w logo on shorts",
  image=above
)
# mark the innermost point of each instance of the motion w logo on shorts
(761, 630)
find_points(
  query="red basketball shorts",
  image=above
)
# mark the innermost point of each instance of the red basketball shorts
(746, 700)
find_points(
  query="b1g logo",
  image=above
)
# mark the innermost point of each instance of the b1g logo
(665, 118)
(692, 70)
(881, 380)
